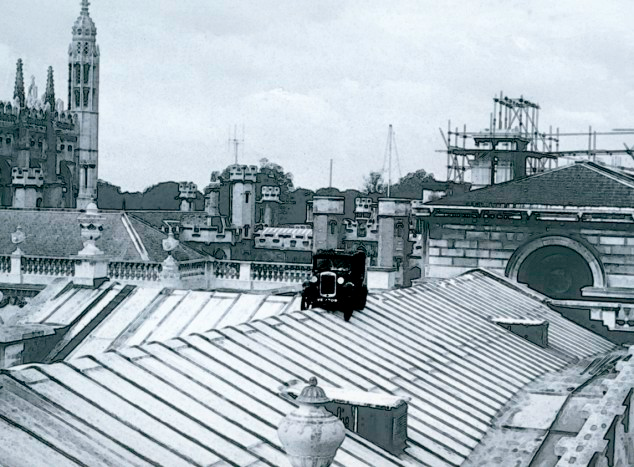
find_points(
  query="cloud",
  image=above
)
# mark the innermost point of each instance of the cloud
(312, 81)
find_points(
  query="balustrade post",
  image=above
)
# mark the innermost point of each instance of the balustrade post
(210, 274)
(15, 276)
(92, 268)
(245, 274)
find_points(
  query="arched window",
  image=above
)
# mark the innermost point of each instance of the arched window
(246, 230)
(399, 230)
(333, 227)
(38, 203)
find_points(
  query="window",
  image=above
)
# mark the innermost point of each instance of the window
(246, 230)
(62, 147)
(77, 73)
(293, 242)
(86, 48)
(399, 230)
(246, 197)
(333, 227)
(86, 73)
(86, 94)
(70, 148)
(77, 97)
(8, 140)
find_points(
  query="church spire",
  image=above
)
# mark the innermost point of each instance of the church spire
(18, 92)
(50, 89)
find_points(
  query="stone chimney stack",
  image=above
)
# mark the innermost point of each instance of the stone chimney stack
(187, 195)
(212, 198)
(311, 435)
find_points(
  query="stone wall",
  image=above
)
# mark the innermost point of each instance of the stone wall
(457, 245)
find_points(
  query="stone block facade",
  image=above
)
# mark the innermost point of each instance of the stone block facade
(461, 239)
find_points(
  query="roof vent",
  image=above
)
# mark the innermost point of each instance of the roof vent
(379, 418)
(533, 330)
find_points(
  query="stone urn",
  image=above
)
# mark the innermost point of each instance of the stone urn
(310, 434)
(91, 225)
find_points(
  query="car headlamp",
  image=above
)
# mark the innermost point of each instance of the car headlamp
(340, 280)
(313, 279)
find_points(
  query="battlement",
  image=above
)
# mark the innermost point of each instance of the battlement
(363, 207)
(187, 190)
(270, 193)
(213, 186)
(31, 177)
(243, 173)
(37, 114)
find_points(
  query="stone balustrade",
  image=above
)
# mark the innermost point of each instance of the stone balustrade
(280, 272)
(46, 266)
(192, 268)
(5, 264)
(227, 269)
(197, 274)
(134, 271)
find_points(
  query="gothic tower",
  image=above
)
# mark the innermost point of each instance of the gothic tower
(83, 100)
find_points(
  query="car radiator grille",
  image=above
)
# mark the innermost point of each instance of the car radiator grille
(328, 284)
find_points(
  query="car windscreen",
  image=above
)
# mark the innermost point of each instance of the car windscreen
(332, 264)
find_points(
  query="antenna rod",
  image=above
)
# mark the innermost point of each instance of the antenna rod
(389, 170)
(330, 180)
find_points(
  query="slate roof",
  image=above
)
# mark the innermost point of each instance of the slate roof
(158, 219)
(114, 315)
(582, 184)
(212, 399)
(56, 233)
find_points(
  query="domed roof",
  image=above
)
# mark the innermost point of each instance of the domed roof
(84, 27)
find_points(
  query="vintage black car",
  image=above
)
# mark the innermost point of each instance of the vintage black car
(338, 282)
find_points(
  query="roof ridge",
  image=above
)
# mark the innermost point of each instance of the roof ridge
(134, 236)
(610, 173)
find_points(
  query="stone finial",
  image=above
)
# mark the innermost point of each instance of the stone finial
(18, 92)
(170, 243)
(18, 237)
(49, 96)
(311, 435)
(91, 224)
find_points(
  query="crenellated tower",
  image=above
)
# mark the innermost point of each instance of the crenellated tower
(83, 100)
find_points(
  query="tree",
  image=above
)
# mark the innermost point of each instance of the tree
(412, 184)
(276, 172)
(373, 183)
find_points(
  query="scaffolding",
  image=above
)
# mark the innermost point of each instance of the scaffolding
(514, 138)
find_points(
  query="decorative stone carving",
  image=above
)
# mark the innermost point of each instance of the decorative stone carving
(91, 224)
(310, 435)
(18, 237)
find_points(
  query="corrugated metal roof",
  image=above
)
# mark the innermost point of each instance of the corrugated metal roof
(212, 398)
(292, 231)
(114, 316)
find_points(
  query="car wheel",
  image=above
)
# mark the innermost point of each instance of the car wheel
(362, 299)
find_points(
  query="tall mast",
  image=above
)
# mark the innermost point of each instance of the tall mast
(389, 169)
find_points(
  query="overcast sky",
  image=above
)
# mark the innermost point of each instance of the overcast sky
(312, 80)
